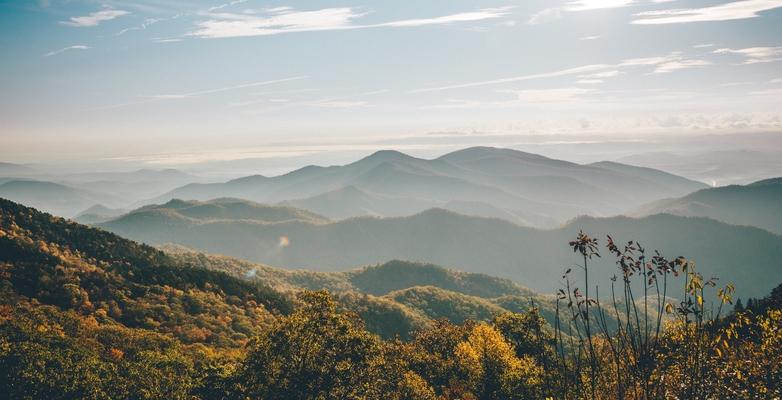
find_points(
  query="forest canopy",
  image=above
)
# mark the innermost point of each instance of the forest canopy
(87, 314)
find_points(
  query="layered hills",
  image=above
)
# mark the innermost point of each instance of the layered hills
(757, 204)
(746, 256)
(220, 301)
(53, 197)
(521, 187)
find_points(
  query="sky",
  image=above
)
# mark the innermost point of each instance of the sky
(176, 83)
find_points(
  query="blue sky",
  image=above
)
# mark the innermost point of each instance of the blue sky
(178, 82)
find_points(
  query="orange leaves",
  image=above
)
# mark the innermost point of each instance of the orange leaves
(116, 354)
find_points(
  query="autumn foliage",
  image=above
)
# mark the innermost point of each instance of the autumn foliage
(87, 315)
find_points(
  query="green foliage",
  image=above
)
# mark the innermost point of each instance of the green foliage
(425, 291)
(86, 314)
(99, 274)
(314, 353)
(397, 275)
(49, 354)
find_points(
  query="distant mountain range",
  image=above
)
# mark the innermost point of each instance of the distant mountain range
(219, 210)
(16, 170)
(53, 197)
(98, 213)
(133, 186)
(717, 168)
(758, 204)
(70, 195)
(521, 187)
(746, 256)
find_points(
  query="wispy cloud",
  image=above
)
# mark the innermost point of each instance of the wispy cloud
(144, 25)
(603, 74)
(564, 72)
(167, 40)
(755, 55)
(224, 5)
(521, 98)
(177, 96)
(677, 65)
(545, 16)
(554, 13)
(775, 81)
(668, 63)
(593, 37)
(724, 12)
(339, 104)
(224, 89)
(64, 49)
(598, 77)
(589, 81)
(702, 46)
(287, 20)
(557, 95)
(583, 5)
(355, 100)
(95, 18)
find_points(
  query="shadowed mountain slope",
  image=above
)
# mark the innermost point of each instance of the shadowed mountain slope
(758, 204)
(747, 256)
(98, 213)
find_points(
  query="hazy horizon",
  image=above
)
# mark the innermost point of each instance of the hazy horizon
(130, 84)
(280, 158)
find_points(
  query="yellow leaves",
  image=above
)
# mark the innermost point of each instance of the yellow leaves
(413, 386)
(53, 329)
(700, 300)
(491, 363)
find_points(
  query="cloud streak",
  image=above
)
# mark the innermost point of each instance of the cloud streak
(224, 5)
(144, 25)
(570, 71)
(95, 18)
(225, 89)
(591, 72)
(520, 98)
(755, 55)
(160, 97)
(287, 20)
(677, 65)
(554, 13)
(584, 5)
(725, 12)
(64, 49)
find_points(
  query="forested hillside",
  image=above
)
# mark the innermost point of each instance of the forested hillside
(747, 256)
(87, 314)
(756, 204)
(212, 300)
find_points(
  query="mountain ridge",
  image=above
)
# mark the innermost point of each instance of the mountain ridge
(515, 182)
(757, 204)
(473, 244)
